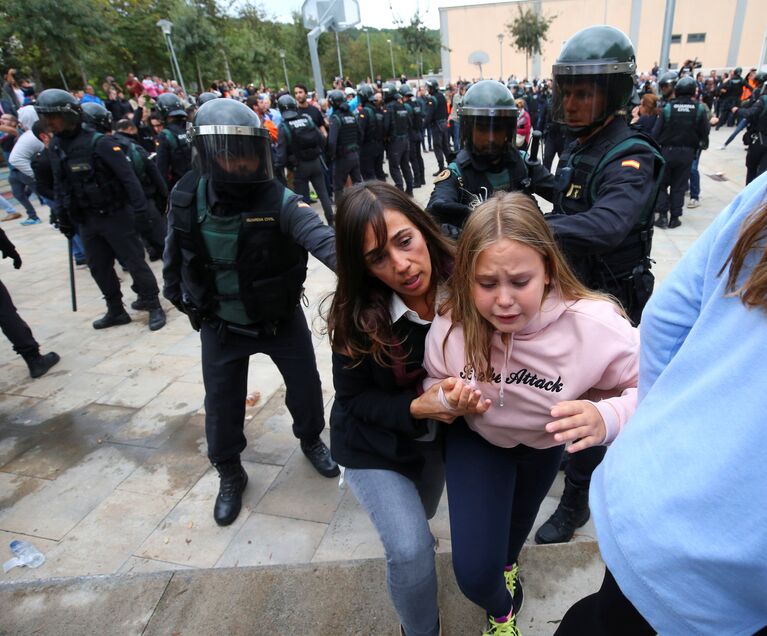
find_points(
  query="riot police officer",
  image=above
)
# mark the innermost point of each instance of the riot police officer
(488, 159)
(371, 124)
(436, 120)
(300, 144)
(150, 226)
(397, 138)
(607, 182)
(343, 143)
(174, 154)
(756, 115)
(730, 97)
(235, 263)
(97, 190)
(666, 84)
(681, 130)
(415, 136)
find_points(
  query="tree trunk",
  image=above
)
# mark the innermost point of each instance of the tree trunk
(527, 72)
(83, 74)
(200, 85)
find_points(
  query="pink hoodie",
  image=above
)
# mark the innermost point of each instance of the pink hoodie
(569, 351)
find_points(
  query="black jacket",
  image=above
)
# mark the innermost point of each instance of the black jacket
(370, 422)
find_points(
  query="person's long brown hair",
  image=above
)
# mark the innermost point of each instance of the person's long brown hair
(752, 237)
(359, 322)
(506, 215)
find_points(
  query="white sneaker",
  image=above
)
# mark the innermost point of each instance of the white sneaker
(722, 147)
(693, 203)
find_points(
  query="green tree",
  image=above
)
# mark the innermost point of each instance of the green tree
(194, 39)
(418, 40)
(528, 31)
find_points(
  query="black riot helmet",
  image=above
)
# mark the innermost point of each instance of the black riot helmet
(405, 91)
(337, 100)
(488, 120)
(760, 77)
(60, 111)
(390, 92)
(231, 145)
(668, 80)
(593, 78)
(432, 85)
(288, 107)
(169, 105)
(738, 71)
(206, 97)
(686, 86)
(365, 93)
(96, 118)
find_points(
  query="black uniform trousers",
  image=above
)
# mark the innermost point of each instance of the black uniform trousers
(399, 162)
(675, 178)
(346, 166)
(225, 357)
(371, 161)
(756, 159)
(441, 142)
(416, 161)
(14, 328)
(311, 171)
(110, 236)
(153, 235)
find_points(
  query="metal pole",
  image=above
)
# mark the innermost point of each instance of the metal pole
(668, 26)
(338, 51)
(311, 38)
(500, 52)
(72, 291)
(370, 57)
(64, 80)
(170, 57)
(285, 69)
(391, 53)
(178, 69)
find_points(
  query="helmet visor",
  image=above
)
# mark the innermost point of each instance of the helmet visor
(60, 123)
(582, 100)
(488, 136)
(226, 156)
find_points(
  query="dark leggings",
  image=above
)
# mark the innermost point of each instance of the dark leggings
(494, 495)
(608, 613)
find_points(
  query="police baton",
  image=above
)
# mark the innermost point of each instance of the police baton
(72, 276)
(531, 161)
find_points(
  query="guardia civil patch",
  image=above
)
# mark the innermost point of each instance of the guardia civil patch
(445, 174)
(630, 163)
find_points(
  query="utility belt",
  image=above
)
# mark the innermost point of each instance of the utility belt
(222, 327)
(759, 138)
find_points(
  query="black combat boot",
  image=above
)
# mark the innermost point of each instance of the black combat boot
(40, 365)
(674, 222)
(572, 513)
(156, 317)
(229, 501)
(319, 455)
(661, 221)
(116, 315)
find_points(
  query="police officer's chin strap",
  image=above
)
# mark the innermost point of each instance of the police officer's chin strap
(583, 133)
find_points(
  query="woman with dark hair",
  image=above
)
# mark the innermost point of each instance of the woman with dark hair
(391, 262)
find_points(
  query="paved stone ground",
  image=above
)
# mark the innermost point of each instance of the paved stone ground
(102, 461)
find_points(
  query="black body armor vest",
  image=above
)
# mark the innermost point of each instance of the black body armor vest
(271, 267)
(348, 133)
(304, 139)
(680, 124)
(181, 150)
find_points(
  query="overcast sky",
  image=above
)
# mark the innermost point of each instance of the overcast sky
(377, 13)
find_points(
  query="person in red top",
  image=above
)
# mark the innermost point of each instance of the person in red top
(133, 86)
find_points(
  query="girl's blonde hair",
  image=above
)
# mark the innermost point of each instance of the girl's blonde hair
(507, 215)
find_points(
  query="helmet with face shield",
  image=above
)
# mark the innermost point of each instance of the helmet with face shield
(230, 143)
(488, 119)
(60, 111)
(593, 78)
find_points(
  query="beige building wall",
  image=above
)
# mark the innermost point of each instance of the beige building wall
(466, 29)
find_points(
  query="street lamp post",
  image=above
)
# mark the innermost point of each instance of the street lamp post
(285, 69)
(166, 26)
(370, 55)
(338, 51)
(500, 52)
(391, 53)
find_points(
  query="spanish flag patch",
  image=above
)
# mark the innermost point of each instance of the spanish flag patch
(630, 163)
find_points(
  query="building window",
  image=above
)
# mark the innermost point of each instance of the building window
(676, 39)
(696, 37)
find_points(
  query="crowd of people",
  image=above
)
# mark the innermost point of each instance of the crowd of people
(476, 343)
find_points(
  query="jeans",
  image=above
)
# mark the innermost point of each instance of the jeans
(7, 205)
(455, 134)
(400, 508)
(695, 178)
(22, 186)
(741, 125)
(494, 495)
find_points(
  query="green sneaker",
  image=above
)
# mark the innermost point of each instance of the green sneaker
(514, 585)
(507, 628)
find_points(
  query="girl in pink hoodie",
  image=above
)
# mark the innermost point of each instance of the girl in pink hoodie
(556, 362)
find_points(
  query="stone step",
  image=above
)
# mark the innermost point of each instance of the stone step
(332, 598)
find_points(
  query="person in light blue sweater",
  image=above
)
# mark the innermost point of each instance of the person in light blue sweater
(680, 500)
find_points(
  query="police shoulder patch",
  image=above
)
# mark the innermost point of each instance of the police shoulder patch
(445, 174)
(630, 163)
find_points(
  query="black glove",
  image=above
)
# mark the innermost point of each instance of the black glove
(65, 225)
(8, 250)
